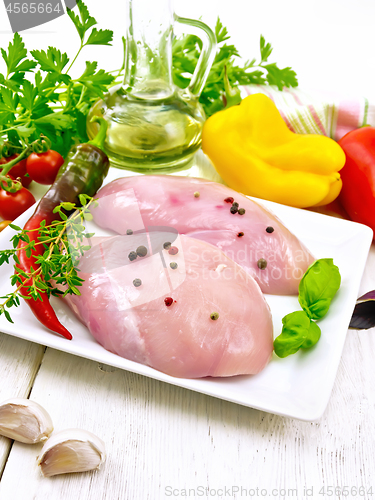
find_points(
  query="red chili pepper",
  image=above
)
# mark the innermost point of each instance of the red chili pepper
(83, 171)
(358, 175)
(41, 308)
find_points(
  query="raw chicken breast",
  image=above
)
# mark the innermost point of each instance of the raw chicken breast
(166, 321)
(256, 240)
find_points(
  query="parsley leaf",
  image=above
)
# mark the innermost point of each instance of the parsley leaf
(13, 58)
(285, 77)
(29, 94)
(84, 21)
(221, 32)
(265, 49)
(97, 82)
(186, 52)
(52, 60)
(59, 121)
(9, 100)
(101, 37)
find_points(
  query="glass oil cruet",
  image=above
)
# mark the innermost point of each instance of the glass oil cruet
(152, 124)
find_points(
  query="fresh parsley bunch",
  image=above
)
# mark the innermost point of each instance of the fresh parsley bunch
(53, 104)
(186, 51)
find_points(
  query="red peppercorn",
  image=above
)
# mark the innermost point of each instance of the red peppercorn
(229, 200)
(173, 250)
(168, 301)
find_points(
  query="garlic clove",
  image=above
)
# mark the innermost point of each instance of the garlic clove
(25, 421)
(71, 450)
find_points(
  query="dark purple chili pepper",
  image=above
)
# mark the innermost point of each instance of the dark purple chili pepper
(364, 312)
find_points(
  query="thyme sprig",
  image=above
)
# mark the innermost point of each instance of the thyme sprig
(64, 243)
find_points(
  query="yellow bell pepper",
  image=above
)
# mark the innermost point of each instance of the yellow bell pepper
(255, 153)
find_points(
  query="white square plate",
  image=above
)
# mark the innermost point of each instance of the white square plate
(297, 386)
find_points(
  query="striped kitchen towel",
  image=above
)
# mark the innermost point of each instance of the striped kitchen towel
(327, 113)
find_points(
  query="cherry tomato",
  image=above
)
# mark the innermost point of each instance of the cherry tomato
(12, 205)
(19, 170)
(43, 167)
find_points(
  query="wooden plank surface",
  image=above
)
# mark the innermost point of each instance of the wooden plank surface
(162, 439)
(19, 364)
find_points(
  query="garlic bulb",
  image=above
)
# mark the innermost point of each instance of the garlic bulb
(71, 450)
(24, 420)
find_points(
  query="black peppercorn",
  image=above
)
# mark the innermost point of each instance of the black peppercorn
(269, 229)
(132, 256)
(141, 251)
(262, 263)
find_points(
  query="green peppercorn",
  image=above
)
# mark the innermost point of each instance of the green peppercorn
(167, 245)
(137, 282)
(129, 231)
(132, 256)
(262, 263)
(241, 211)
(214, 316)
(141, 251)
(197, 194)
(173, 265)
(235, 204)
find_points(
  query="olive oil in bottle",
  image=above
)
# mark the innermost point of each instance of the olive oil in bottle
(152, 124)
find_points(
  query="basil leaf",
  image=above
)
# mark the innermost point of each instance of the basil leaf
(318, 287)
(298, 332)
(313, 336)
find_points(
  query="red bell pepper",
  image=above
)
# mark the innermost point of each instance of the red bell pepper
(358, 175)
